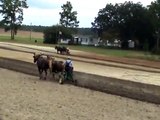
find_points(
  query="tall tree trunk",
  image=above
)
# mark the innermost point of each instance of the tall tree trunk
(12, 30)
(12, 34)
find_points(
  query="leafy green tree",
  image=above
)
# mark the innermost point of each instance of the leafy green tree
(52, 34)
(110, 35)
(128, 20)
(136, 24)
(154, 10)
(12, 12)
(106, 19)
(68, 18)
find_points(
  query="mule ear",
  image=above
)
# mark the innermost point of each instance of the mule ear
(48, 56)
(52, 58)
(34, 54)
(41, 54)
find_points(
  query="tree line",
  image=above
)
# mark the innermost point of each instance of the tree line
(130, 21)
(124, 21)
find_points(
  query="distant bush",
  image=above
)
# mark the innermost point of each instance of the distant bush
(52, 34)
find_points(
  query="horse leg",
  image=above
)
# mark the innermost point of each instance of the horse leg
(40, 73)
(50, 73)
(53, 75)
(45, 74)
(50, 66)
(61, 78)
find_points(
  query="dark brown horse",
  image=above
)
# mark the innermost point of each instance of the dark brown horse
(62, 50)
(58, 68)
(43, 64)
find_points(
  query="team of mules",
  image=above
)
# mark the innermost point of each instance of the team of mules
(56, 68)
(62, 50)
(48, 63)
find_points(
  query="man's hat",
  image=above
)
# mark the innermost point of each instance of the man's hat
(68, 57)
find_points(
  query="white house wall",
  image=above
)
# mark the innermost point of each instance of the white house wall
(84, 41)
(93, 42)
(64, 41)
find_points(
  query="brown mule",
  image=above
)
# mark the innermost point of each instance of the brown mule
(43, 64)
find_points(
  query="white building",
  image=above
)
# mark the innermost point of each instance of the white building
(85, 39)
(131, 44)
(64, 41)
(81, 40)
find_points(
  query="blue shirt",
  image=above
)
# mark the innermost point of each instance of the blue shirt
(69, 62)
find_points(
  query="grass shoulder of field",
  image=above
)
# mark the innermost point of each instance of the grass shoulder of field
(118, 52)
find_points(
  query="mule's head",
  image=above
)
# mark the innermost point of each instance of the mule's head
(35, 57)
(49, 57)
(56, 47)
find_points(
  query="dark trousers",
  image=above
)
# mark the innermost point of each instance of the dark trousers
(69, 73)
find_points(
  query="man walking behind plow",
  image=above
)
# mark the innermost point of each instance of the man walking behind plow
(69, 69)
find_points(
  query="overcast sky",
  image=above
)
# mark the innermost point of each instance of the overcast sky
(46, 12)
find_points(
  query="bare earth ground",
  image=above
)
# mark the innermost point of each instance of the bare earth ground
(132, 61)
(24, 97)
(120, 73)
(23, 33)
(93, 56)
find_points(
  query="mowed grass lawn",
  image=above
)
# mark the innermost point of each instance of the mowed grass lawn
(24, 37)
